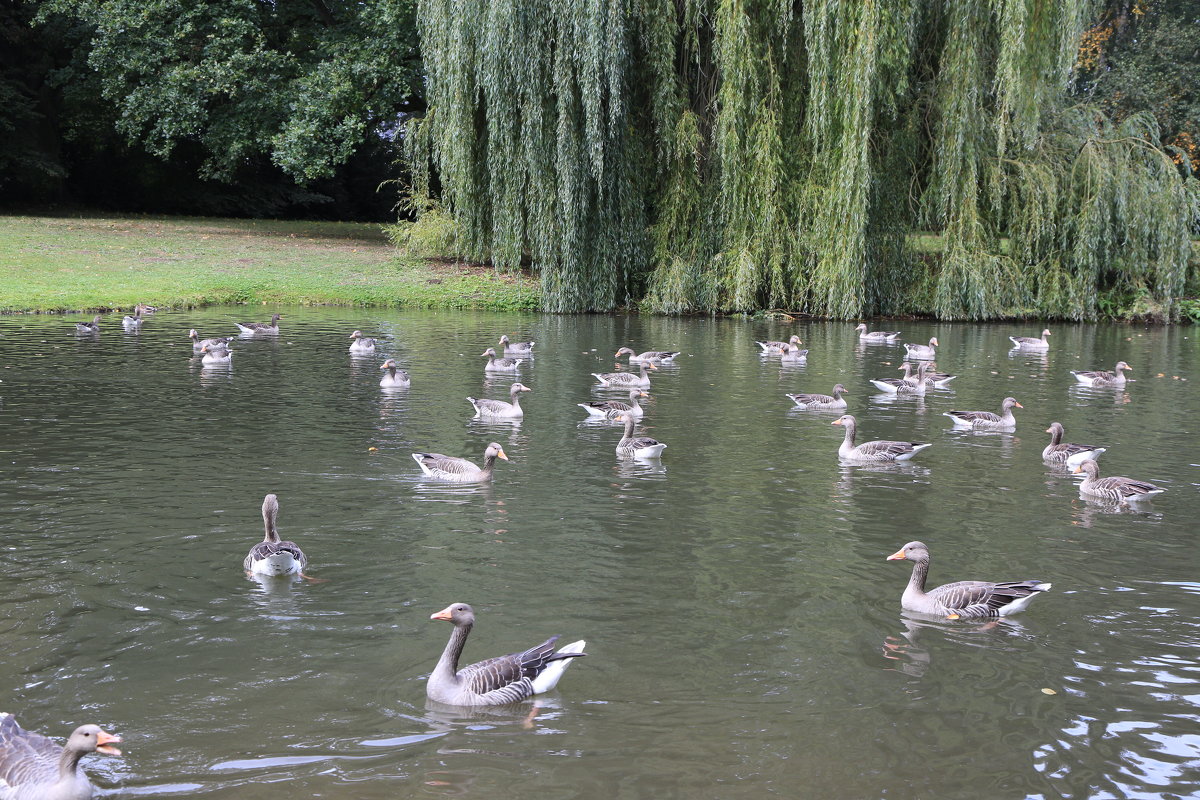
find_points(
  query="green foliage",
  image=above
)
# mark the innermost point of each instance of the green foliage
(306, 83)
(738, 154)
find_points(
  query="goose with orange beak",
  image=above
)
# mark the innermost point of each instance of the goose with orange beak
(33, 767)
(460, 470)
(986, 420)
(962, 599)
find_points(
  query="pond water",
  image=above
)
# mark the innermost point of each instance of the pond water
(744, 630)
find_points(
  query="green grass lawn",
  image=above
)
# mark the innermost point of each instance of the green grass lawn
(86, 263)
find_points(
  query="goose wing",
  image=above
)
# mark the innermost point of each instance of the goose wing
(886, 449)
(436, 462)
(638, 442)
(264, 550)
(806, 399)
(509, 679)
(1098, 374)
(975, 416)
(608, 405)
(617, 378)
(982, 598)
(494, 406)
(25, 757)
(1127, 487)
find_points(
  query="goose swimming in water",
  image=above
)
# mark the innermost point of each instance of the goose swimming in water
(88, 328)
(274, 556)
(216, 355)
(261, 328)
(922, 351)
(33, 767)
(1030, 343)
(1104, 377)
(199, 344)
(772, 348)
(637, 446)
(611, 409)
(622, 380)
(499, 408)
(875, 336)
(395, 379)
(496, 681)
(1060, 452)
(962, 599)
(1115, 488)
(986, 420)
(821, 402)
(656, 356)
(460, 470)
(362, 345)
(516, 348)
(879, 451)
(495, 364)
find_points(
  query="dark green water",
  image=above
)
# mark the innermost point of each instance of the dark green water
(744, 629)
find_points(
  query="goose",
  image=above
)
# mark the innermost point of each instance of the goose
(776, 348)
(878, 451)
(88, 328)
(905, 385)
(820, 402)
(499, 364)
(1030, 343)
(1060, 452)
(656, 356)
(395, 379)
(33, 767)
(934, 378)
(516, 348)
(624, 380)
(499, 408)
(261, 328)
(361, 345)
(611, 409)
(216, 355)
(793, 353)
(637, 446)
(198, 344)
(145, 310)
(460, 470)
(274, 556)
(986, 420)
(496, 681)
(1104, 377)
(961, 599)
(134, 323)
(1115, 488)
(875, 336)
(922, 351)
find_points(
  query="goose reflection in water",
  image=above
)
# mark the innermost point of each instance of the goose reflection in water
(906, 655)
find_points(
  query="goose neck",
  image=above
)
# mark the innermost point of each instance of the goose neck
(447, 666)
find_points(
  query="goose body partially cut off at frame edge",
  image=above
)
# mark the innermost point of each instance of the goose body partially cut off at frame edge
(33, 767)
(496, 681)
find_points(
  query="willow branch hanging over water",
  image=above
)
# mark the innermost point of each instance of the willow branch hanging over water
(704, 155)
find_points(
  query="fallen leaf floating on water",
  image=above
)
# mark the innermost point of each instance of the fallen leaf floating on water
(1049, 691)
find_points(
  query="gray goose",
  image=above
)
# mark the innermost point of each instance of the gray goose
(637, 446)
(216, 355)
(656, 356)
(819, 402)
(460, 470)
(626, 380)
(875, 336)
(362, 345)
(793, 353)
(773, 348)
(499, 408)
(611, 409)
(1060, 452)
(198, 344)
(396, 377)
(1115, 489)
(905, 385)
(88, 328)
(922, 351)
(937, 379)
(274, 556)
(1030, 343)
(261, 328)
(495, 364)
(496, 681)
(33, 767)
(962, 599)
(516, 348)
(1103, 377)
(133, 324)
(986, 420)
(873, 452)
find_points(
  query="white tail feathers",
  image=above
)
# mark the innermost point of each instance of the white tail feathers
(548, 678)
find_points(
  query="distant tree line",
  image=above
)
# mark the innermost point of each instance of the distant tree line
(233, 107)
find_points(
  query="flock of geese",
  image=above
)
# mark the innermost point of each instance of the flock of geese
(33, 766)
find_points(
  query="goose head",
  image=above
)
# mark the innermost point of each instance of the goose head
(1090, 468)
(275, 318)
(839, 389)
(1122, 365)
(624, 351)
(1055, 429)
(494, 450)
(862, 326)
(634, 394)
(845, 420)
(458, 613)
(1009, 402)
(490, 352)
(1045, 332)
(795, 340)
(504, 338)
(913, 551)
(389, 364)
(356, 335)
(518, 387)
(92, 739)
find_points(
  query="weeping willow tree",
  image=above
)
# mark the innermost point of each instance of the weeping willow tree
(703, 155)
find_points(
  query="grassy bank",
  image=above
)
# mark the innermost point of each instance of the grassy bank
(83, 263)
